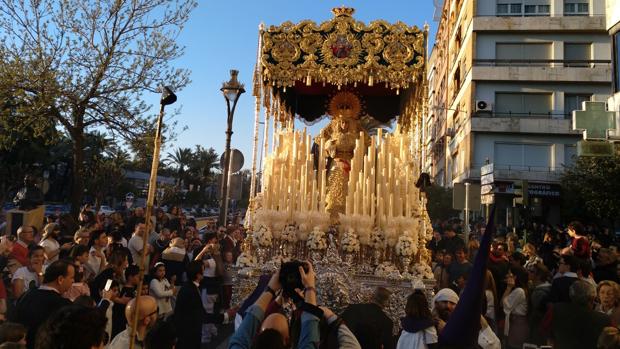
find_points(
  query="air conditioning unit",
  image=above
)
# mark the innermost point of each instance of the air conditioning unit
(484, 106)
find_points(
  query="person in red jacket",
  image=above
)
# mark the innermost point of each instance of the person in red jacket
(580, 246)
(25, 237)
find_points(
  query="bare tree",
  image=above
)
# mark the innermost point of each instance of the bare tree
(86, 64)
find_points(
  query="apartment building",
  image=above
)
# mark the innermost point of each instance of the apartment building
(613, 28)
(504, 78)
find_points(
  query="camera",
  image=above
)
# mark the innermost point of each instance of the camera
(290, 278)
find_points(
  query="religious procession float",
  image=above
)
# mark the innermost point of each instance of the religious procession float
(349, 199)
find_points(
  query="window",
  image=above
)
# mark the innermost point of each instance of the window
(522, 104)
(616, 63)
(512, 51)
(509, 9)
(570, 154)
(576, 8)
(579, 52)
(573, 102)
(536, 10)
(523, 156)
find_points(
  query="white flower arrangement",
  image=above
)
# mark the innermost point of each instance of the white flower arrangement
(377, 240)
(316, 240)
(289, 234)
(350, 243)
(385, 269)
(245, 260)
(423, 270)
(262, 238)
(404, 246)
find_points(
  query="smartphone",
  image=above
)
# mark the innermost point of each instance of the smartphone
(108, 284)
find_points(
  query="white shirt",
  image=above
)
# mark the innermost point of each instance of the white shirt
(27, 276)
(488, 340)
(50, 245)
(94, 262)
(135, 247)
(490, 304)
(121, 341)
(210, 268)
(162, 291)
(417, 340)
(514, 303)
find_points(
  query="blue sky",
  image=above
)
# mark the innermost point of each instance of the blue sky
(223, 35)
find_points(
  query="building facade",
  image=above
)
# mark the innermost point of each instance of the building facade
(613, 28)
(504, 78)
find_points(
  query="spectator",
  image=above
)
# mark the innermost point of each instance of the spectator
(161, 336)
(96, 257)
(539, 276)
(580, 246)
(514, 302)
(450, 241)
(127, 293)
(79, 287)
(435, 241)
(82, 236)
(575, 324)
(38, 304)
(79, 256)
(51, 234)
(189, 312)
(490, 294)
(161, 290)
(444, 303)
(472, 249)
(146, 307)
(441, 272)
(73, 327)
(19, 253)
(498, 265)
(369, 323)
(30, 276)
(461, 266)
(418, 330)
(567, 274)
(609, 299)
(606, 266)
(609, 338)
(227, 279)
(273, 332)
(136, 245)
(175, 259)
(532, 258)
(13, 333)
(115, 270)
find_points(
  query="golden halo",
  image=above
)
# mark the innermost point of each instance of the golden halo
(345, 104)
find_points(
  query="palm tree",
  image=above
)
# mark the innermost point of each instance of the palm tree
(181, 158)
(203, 163)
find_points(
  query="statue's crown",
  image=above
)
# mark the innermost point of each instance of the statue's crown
(343, 11)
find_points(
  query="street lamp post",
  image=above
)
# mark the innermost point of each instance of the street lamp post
(232, 90)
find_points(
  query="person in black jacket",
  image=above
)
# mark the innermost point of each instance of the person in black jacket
(189, 312)
(371, 326)
(36, 305)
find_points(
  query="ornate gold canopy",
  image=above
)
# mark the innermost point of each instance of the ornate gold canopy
(342, 51)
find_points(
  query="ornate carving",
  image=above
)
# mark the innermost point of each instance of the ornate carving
(342, 51)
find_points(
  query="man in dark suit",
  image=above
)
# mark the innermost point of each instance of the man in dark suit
(36, 305)
(189, 312)
(370, 325)
(560, 286)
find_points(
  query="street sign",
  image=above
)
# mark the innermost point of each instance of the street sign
(486, 169)
(458, 197)
(487, 199)
(486, 174)
(486, 189)
(236, 160)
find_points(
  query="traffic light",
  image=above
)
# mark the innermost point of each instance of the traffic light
(521, 193)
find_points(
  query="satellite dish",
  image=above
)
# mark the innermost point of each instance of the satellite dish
(236, 160)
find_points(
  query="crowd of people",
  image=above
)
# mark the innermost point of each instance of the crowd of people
(90, 270)
(76, 286)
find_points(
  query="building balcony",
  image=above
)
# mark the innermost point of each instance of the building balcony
(539, 23)
(523, 123)
(549, 70)
(511, 173)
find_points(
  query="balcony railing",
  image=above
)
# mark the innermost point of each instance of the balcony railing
(565, 14)
(579, 63)
(532, 115)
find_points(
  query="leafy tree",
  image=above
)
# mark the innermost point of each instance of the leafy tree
(84, 64)
(590, 189)
(439, 203)
(204, 161)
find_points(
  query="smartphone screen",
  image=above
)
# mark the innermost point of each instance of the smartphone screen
(108, 284)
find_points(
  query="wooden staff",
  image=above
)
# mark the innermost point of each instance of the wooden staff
(167, 97)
